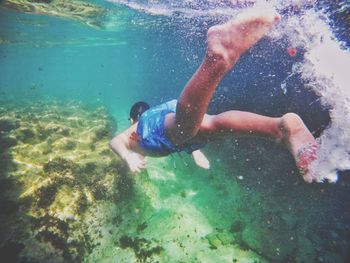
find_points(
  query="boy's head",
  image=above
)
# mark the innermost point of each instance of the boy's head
(137, 109)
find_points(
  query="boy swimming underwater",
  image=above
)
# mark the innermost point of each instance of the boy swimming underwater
(183, 125)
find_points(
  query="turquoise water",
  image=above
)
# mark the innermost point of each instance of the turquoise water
(70, 60)
(66, 88)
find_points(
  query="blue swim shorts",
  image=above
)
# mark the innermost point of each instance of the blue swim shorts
(150, 131)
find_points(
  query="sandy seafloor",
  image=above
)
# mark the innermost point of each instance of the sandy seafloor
(66, 197)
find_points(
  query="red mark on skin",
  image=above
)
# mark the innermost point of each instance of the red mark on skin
(134, 136)
(292, 51)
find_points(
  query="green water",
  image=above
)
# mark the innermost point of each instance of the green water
(66, 88)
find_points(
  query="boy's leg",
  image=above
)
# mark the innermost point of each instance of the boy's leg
(240, 123)
(288, 129)
(225, 44)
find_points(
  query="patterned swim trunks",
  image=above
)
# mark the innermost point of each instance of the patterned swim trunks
(151, 135)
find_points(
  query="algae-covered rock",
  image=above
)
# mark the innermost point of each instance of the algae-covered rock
(7, 124)
(59, 165)
(58, 182)
(87, 13)
(25, 134)
(7, 141)
(220, 238)
(214, 243)
(142, 247)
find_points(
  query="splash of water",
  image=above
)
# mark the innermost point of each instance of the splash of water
(324, 69)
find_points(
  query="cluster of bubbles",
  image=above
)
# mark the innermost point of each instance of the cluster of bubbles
(205, 8)
(324, 69)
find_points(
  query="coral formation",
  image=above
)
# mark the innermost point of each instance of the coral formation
(82, 11)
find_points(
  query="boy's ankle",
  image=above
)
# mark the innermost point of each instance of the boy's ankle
(217, 62)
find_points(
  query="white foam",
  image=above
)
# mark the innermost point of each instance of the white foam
(326, 70)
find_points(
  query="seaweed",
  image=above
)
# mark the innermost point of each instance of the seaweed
(141, 227)
(89, 168)
(125, 187)
(103, 132)
(55, 231)
(60, 165)
(25, 135)
(70, 145)
(46, 195)
(142, 247)
(51, 222)
(7, 142)
(56, 129)
(99, 191)
(81, 204)
(7, 124)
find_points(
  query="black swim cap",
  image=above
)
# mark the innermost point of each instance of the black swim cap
(137, 109)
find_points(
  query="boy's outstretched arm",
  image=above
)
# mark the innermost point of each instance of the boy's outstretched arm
(200, 159)
(120, 145)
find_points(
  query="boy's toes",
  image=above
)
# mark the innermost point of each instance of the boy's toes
(305, 157)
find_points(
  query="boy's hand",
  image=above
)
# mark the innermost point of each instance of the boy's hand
(136, 162)
(200, 159)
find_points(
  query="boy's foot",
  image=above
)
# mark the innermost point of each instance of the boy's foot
(200, 159)
(300, 143)
(227, 42)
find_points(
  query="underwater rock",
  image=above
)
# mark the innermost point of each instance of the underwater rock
(213, 240)
(225, 238)
(46, 195)
(7, 141)
(141, 227)
(25, 135)
(59, 165)
(87, 13)
(102, 132)
(69, 145)
(7, 124)
(142, 247)
(57, 182)
(52, 128)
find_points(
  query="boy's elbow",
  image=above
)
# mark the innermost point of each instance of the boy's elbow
(113, 143)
